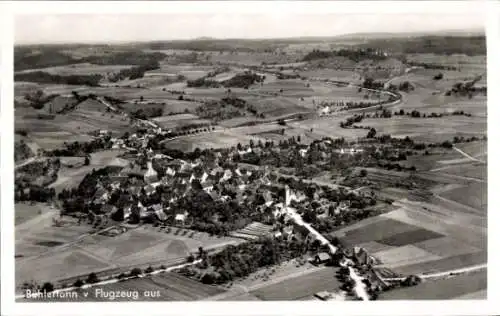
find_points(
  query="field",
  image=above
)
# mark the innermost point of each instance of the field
(437, 226)
(179, 120)
(429, 129)
(161, 287)
(94, 253)
(217, 139)
(69, 178)
(474, 195)
(81, 69)
(191, 72)
(25, 211)
(300, 287)
(422, 237)
(440, 289)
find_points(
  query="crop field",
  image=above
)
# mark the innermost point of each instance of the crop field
(93, 253)
(179, 120)
(145, 244)
(170, 286)
(440, 289)
(331, 74)
(418, 241)
(292, 87)
(301, 286)
(329, 127)
(58, 265)
(251, 59)
(209, 140)
(466, 63)
(474, 195)
(477, 171)
(191, 72)
(81, 69)
(429, 129)
(375, 232)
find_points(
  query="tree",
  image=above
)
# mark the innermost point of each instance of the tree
(87, 161)
(371, 133)
(78, 283)
(148, 269)
(363, 173)
(135, 272)
(92, 278)
(47, 287)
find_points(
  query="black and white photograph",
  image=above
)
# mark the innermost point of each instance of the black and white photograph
(232, 156)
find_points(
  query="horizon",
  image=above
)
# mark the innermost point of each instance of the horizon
(123, 29)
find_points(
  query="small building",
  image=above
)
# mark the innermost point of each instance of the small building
(180, 219)
(322, 257)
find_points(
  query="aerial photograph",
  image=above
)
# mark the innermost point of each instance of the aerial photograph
(250, 157)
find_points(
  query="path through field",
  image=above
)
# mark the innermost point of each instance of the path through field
(467, 155)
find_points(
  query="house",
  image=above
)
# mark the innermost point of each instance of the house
(134, 171)
(180, 219)
(322, 257)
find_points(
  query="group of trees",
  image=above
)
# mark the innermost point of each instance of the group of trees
(370, 83)
(226, 108)
(417, 114)
(432, 66)
(33, 192)
(76, 149)
(45, 77)
(235, 262)
(404, 86)
(145, 113)
(355, 55)
(134, 72)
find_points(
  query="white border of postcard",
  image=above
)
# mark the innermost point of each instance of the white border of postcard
(488, 9)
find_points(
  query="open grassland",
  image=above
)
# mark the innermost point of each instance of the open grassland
(440, 289)
(301, 286)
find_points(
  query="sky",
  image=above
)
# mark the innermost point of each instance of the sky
(93, 28)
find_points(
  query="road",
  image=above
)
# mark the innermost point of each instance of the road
(424, 276)
(27, 162)
(116, 280)
(467, 155)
